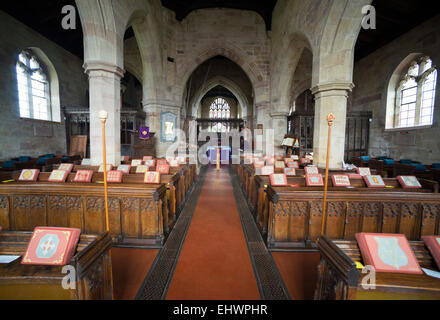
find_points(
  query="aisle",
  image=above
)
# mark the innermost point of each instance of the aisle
(214, 263)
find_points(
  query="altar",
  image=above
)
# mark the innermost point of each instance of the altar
(225, 154)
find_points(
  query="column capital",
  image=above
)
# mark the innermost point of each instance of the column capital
(333, 87)
(99, 66)
(279, 114)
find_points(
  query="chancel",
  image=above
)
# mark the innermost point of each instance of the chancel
(219, 150)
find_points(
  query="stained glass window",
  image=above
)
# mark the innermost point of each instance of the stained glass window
(219, 109)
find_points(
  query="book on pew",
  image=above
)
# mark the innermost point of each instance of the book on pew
(258, 164)
(278, 180)
(409, 182)
(29, 175)
(433, 244)
(51, 246)
(280, 165)
(86, 162)
(114, 176)
(162, 162)
(267, 171)
(136, 162)
(147, 158)
(125, 168)
(174, 163)
(66, 167)
(311, 170)
(152, 177)
(84, 176)
(388, 253)
(374, 181)
(290, 171)
(58, 176)
(341, 181)
(109, 168)
(305, 161)
(296, 158)
(150, 162)
(141, 169)
(163, 169)
(364, 171)
(314, 180)
(288, 160)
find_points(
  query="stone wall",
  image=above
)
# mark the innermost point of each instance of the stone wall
(372, 76)
(29, 137)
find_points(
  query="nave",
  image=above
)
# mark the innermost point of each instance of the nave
(214, 261)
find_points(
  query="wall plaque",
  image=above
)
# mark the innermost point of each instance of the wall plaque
(168, 124)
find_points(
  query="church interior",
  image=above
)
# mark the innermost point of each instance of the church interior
(219, 150)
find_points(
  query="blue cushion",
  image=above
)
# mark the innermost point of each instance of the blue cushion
(49, 156)
(41, 161)
(436, 166)
(419, 167)
(382, 158)
(389, 162)
(65, 159)
(24, 159)
(365, 158)
(404, 161)
(8, 164)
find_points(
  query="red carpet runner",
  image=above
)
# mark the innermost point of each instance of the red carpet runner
(214, 263)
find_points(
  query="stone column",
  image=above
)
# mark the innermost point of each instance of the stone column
(105, 94)
(330, 98)
(279, 125)
(154, 112)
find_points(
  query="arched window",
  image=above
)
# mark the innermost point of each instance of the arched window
(415, 96)
(220, 109)
(33, 87)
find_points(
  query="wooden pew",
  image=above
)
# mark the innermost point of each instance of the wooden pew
(31, 282)
(138, 213)
(338, 278)
(295, 214)
(379, 167)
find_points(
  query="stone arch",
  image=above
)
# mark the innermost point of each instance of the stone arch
(232, 53)
(334, 60)
(282, 78)
(228, 84)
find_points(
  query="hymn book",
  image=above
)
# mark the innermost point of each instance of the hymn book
(141, 169)
(162, 162)
(374, 181)
(83, 176)
(290, 171)
(114, 176)
(150, 162)
(125, 168)
(135, 163)
(280, 165)
(163, 169)
(364, 171)
(147, 158)
(51, 246)
(433, 244)
(311, 170)
(341, 181)
(58, 176)
(267, 170)
(109, 168)
(314, 180)
(409, 182)
(29, 175)
(66, 167)
(278, 180)
(388, 253)
(152, 177)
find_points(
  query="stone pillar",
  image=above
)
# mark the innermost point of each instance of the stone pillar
(330, 98)
(279, 125)
(105, 94)
(153, 121)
